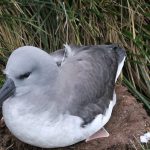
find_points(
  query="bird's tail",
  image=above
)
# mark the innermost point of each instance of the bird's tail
(121, 58)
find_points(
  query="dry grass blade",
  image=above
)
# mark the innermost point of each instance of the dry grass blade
(50, 24)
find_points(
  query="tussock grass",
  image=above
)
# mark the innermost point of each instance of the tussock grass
(50, 24)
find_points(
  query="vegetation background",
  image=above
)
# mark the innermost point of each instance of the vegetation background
(49, 24)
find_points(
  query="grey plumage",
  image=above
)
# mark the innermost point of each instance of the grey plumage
(90, 75)
(61, 54)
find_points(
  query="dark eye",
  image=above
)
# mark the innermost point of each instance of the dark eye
(23, 76)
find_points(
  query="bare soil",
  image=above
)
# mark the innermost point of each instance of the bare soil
(129, 120)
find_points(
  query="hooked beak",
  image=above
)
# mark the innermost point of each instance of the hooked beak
(7, 90)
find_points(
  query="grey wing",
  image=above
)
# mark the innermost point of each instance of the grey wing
(89, 78)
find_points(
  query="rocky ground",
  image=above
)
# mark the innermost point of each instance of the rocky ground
(129, 120)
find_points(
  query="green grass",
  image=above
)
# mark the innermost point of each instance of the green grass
(50, 24)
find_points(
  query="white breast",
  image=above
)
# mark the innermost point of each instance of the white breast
(43, 132)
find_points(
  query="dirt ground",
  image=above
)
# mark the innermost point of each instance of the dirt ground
(129, 120)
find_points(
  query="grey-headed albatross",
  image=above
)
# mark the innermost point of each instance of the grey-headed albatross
(60, 99)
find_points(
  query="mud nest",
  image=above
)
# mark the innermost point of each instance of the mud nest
(129, 120)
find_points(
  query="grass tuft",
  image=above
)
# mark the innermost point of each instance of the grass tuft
(50, 24)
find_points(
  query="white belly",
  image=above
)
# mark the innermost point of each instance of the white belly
(42, 132)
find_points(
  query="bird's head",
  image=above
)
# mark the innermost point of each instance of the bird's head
(26, 68)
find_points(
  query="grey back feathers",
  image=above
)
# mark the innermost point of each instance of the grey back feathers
(71, 50)
(89, 74)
